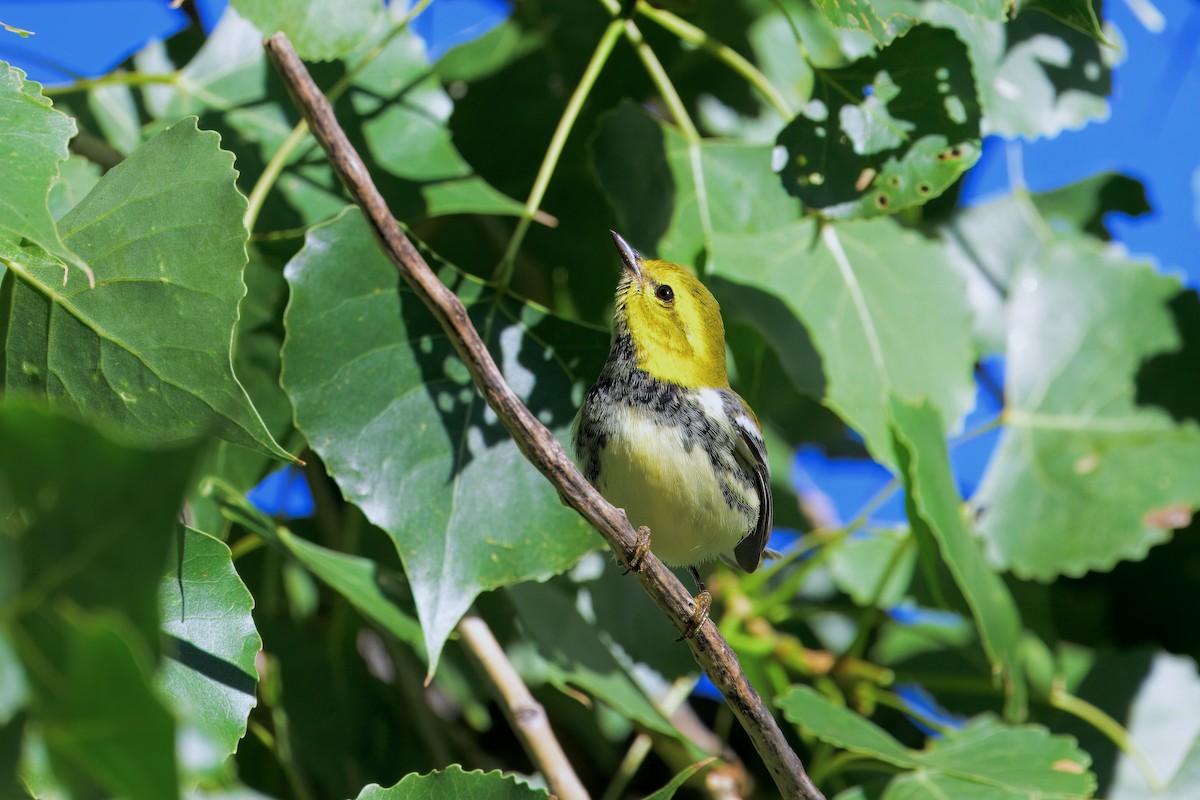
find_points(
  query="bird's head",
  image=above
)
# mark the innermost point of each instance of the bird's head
(673, 321)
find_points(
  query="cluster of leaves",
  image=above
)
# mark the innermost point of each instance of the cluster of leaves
(173, 327)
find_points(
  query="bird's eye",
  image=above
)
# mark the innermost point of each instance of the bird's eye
(664, 293)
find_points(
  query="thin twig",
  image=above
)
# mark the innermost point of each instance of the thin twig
(525, 714)
(708, 646)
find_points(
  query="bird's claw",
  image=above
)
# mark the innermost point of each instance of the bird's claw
(703, 603)
(640, 548)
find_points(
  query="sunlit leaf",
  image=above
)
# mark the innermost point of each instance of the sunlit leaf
(320, 30)
(883, 308)
(935, 512)
(208, 674)
(1057, 498)
(453, 782)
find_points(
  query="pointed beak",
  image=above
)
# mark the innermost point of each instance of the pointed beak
(629, 256)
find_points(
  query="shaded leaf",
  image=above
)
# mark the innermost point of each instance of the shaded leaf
(648, 173)
(883, 308)
(320, 30)
(1056, 498)
(1079, 14)
(1000, 761)
(81, 541)
(148, 349)
(453, 782)
(668, 791)
(369, 587)
(102, 721)
(887, 132)
(935, 513)
(385, 401)
(208, 674)
(576, 656)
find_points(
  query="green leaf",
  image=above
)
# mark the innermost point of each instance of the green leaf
(320, 30)
(935, 513)
(148, 349)
(102, 722)
(1186, 783)
(1057, 498)
(1078, 14)
(857, 564)
(453, 782)
(986, 758)
(369, 587)
(647, 171)
(76, 177)
(575, 656)
(668, 791)
(117, 116)
(406, 113)
(33, 140)
(81, 540)
(989, 242)
(1156, 708)
(1036, 77)
(383, 398)
(228, 71)
(884, 20)
(884, 309)
(208, 675)
(887, 132)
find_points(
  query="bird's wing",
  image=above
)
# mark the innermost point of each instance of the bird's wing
(751, 454)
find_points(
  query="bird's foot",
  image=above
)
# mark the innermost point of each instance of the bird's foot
(703, 602)
(640, 548)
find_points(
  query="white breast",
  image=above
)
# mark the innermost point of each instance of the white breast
(646, 470)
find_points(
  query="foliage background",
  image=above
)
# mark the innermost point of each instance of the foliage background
(1079, 457)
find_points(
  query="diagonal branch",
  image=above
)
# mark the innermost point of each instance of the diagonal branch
(708, 646)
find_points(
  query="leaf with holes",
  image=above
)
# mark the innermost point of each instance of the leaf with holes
(1036, 76)
(208, 674)
(384, 399)
(148, 349)
(887, 132)
(883, 307)
(1057, 497)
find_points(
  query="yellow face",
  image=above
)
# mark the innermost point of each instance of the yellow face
(674, 322)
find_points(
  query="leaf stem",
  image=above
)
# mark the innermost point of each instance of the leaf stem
(1063, 700)
(504, 270)
(113, 79)
(724, 53)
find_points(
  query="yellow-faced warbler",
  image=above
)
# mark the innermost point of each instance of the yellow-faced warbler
(662, 435)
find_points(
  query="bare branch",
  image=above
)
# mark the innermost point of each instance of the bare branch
(708, 646)
(524, 713)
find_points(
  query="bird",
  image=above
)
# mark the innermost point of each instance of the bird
(662, 435)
